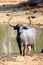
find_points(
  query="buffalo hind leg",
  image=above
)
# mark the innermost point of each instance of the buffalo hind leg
(28, 49)
(34, 48)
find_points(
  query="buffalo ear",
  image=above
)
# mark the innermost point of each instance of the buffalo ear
(24, 27)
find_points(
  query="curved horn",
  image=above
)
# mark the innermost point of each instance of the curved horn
(29, 20)
(9, 22)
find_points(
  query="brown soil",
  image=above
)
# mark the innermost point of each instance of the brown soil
(36, 59)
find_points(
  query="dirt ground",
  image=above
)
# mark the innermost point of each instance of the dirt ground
(2, 2)
(21, 17)
(35, 59)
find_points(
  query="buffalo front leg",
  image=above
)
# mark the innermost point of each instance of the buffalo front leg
(19, 45)
(23, 50)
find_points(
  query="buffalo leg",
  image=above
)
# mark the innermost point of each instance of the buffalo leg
(23, 50)
(34, 48)
(19, 45)
(28, 49)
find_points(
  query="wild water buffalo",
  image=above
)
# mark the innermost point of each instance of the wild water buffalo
(25, 38)
(42, 51)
